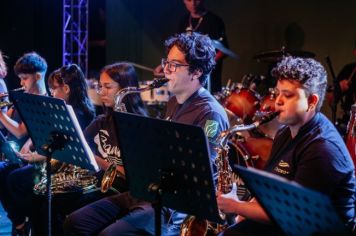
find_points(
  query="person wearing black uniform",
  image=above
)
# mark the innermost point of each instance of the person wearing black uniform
(190, 60)
(308, 149)
(200, 20)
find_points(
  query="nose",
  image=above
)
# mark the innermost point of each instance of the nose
(279, 101)
(166, 69)
(22, 82)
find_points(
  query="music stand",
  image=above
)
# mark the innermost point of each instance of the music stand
(55, 133)
(8, 151)
(168, 164)
(294, 208)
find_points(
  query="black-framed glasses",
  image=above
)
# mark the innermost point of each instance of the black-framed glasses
(172, 66)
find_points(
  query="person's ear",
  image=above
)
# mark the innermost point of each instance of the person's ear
(66, 89)
(313, 100)
(196, 74)
(38, 76)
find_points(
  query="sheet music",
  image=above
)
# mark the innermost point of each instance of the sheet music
(82, 138)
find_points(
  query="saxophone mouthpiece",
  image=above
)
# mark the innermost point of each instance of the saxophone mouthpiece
(267, 118)
(156, 83)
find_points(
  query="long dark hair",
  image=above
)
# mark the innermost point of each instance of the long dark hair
(125, 75)
(73, 76)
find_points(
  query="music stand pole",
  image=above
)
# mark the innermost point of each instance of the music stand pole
(157, 206)
(56, 143)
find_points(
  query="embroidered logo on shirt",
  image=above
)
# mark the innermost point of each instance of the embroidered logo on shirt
(211, 128)
(283, 164)
(282, 168)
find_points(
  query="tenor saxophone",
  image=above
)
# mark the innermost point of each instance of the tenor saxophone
(198, 227)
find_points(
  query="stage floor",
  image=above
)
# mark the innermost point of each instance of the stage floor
(5, 224)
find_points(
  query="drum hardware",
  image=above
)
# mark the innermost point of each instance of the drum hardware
(142, 67)
(111, 173)
(221, 47)
(276, 55)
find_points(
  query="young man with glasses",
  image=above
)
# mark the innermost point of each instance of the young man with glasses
(190, 60)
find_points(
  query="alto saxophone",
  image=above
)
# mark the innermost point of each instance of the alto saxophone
(111, 173)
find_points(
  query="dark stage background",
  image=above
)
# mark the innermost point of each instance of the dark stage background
(136, 29)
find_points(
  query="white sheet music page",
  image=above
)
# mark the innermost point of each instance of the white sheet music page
(82, 138)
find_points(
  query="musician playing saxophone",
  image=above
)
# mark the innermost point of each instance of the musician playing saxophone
(308, 149)
(190, 59)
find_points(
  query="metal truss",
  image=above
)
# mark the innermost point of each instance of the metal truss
(75, 33)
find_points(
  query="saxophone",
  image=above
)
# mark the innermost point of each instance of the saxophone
(194, 226)
(111, 173)
(198, 227)
(67, 179)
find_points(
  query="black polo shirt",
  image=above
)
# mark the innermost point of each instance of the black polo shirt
(317, 158)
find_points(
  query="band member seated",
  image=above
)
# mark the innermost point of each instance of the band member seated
(31, 69)
(190, 60)
(67, 83)
(308, 149)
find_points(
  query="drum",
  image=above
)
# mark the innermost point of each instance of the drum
(243, 103)
(351, 134)
(156, 96)
(250, 151)
(267, 103)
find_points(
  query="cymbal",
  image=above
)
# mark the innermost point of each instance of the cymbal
(276, 56)
(221, 47)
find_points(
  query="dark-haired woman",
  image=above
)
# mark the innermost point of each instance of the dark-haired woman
(100, 216)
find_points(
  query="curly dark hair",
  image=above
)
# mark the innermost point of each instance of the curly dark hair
(199, 52)
(30, 63)
(73, 76)
(309, 72)
(125, 75)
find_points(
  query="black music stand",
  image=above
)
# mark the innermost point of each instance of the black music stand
(168, 164)
(8, 151)
(55, 133)
(294, 208)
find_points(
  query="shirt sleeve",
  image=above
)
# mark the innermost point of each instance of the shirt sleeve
(322, 167)
(213, 124)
